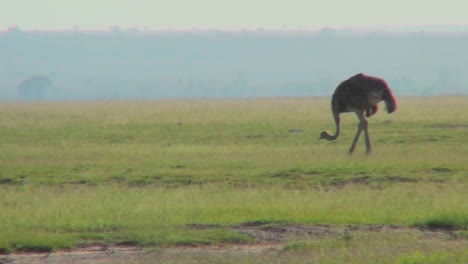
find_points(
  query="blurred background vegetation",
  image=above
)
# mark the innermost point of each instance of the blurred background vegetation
(120, 64)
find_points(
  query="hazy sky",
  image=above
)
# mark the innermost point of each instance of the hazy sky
(229, 14)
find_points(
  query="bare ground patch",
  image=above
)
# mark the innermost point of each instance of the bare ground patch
(267, 240)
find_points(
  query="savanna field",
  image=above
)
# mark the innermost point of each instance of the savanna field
(198, 173)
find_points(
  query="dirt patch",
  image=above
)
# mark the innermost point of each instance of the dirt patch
(266, 238)
(399, 179)
(254, 136)
(94, 254)
(202, 226)
(436, 171)
(6, 181)
(293, 174)
(283, 233)
(356, 180)
(449, 126)
(441, 170)
(10, 181)
(295, 130)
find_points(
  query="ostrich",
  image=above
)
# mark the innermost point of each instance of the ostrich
(359, 94)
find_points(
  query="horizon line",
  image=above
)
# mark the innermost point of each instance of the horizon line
(324, 31)
(422, 28)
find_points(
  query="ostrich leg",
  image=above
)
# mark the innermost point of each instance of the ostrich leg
(361, 126)
(355, 140)
(366, 135)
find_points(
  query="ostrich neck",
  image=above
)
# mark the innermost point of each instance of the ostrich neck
(336, 117)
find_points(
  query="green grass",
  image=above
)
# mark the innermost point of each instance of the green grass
(238, 141)
(433, 258)
(163, 216)
(140, 172)
(402, 248)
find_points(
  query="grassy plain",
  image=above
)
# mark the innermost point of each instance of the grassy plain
(143, 172)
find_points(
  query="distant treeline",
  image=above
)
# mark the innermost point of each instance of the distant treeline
(120, 65)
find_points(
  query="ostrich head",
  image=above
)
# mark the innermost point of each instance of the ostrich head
(325, 135)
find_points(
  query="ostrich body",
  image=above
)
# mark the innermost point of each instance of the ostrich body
(359, 94)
